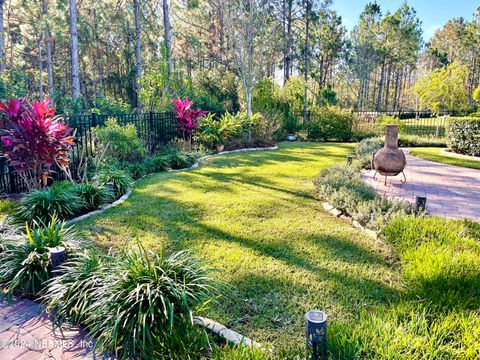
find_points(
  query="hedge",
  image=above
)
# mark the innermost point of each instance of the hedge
(330, 123)
(463, 136)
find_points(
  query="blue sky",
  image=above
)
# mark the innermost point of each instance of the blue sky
(433, 13)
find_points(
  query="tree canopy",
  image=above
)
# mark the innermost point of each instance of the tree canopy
(113, 55)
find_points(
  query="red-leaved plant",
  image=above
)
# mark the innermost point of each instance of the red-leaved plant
(187, 117)
(34, 139)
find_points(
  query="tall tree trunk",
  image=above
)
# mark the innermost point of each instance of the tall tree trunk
(2, 39)
(98, 63)
(40, 68)
(380, 88)
(395, 96)
(48, 49)
(307, 38)
(287, 58)
(74, 50)
(138, 52)
(168, 37)
(387, 90)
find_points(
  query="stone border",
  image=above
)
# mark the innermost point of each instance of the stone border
(338, 213)
(129, 192)
(224, 332)
(100, 210)
(450, 153)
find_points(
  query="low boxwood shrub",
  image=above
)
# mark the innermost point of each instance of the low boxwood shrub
(330, 123)
(342, 187)
(119, 180)
(137, 304)
(464, 136)
(25, 265)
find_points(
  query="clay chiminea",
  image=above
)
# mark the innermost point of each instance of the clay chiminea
(390, 160)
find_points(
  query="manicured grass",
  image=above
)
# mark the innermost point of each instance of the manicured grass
(254, 217)
(434, 154)
(438, 315)
(426, 126)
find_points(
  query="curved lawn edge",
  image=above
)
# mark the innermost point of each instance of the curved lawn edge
(203, 158)
(437, 155)
(129, 192)
(449, 152)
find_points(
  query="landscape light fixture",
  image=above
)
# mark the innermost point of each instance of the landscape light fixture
(316, 340)
(58, 255)
(420, 203)
(349, 159)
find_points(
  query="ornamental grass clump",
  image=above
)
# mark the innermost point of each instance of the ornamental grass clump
(41, 205)
(34, 140)
(92, 195)
(136, 303)
(119, 180)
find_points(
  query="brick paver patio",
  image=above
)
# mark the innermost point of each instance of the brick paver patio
(451, 191)
(27, 334)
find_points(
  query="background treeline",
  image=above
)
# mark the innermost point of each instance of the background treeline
(120, 55)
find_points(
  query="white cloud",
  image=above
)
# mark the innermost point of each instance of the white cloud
(430, 31)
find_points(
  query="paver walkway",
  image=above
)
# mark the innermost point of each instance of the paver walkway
(451, 191)
(27, 334)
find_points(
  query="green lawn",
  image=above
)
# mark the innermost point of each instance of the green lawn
(426, 126)
(254, 218)
(434, 154)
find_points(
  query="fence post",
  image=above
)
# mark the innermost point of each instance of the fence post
(11, 179)
(150, 132)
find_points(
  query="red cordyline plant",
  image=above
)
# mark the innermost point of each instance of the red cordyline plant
(187, 116)
(34, 140)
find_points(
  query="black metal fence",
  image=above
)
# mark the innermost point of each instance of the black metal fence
(411, 122)
(420, 123)
(154, 129)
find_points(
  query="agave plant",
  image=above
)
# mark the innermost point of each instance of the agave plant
(34, 140)
(187, 116)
